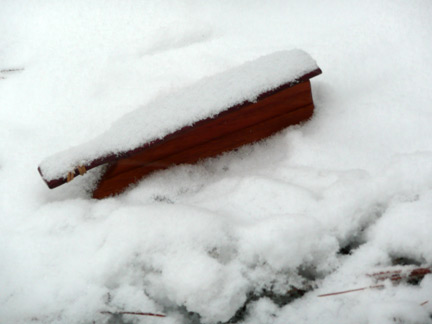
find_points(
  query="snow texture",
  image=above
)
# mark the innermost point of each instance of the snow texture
(204, 99)
(317, 206)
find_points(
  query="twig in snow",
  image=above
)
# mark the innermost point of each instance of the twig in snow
(414, 275)
(4, 71)
(351, 290)
(132, 313)
(424, 303)
(11, 70)
(395, 276)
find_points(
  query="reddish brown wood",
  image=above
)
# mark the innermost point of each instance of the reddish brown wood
(294, 84)
(287, 100)
(114, 182)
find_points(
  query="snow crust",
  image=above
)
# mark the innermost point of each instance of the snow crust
(347, 194)
(172, 111)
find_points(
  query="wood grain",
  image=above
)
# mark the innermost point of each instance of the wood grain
(114, 183)
(287, 100)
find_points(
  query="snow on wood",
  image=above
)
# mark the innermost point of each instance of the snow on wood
(204, 100)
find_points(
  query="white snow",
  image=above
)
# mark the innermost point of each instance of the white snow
(206, 98)
(268, 217)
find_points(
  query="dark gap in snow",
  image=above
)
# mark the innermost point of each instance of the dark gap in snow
(279, 299)
(348, 248)
(309, 273)
(357, 239)
(404, 260)
(189, 317)
(118, 319)
(414, 279)
(162, 198)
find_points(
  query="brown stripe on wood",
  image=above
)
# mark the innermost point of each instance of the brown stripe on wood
(119, 182)
(284, 101)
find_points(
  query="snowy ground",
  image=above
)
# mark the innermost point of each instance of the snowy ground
(316, 207)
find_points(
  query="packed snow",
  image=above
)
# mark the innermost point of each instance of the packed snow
(203, 99)
(317, 207)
